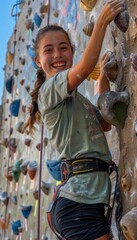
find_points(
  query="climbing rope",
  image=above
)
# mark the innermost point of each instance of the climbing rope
(41, 154)
(39, 190)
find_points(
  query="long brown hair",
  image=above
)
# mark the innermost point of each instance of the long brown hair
(35, 116)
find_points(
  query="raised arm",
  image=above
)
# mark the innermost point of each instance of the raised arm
(85, 66)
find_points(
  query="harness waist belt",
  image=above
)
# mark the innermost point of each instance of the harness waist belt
(74, 167)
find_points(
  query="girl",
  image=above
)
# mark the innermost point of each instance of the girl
(75, 127)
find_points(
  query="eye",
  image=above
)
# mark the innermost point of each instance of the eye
(48, 50)
(64, 48)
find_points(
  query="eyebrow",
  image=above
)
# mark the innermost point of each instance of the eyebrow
(50, 45)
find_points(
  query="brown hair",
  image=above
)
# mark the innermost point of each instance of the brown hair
(46, 29)
(35, 116)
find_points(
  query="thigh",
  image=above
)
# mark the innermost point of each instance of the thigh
(79, 221)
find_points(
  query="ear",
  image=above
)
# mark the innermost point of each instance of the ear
(37, 62)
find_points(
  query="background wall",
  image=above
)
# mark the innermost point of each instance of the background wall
(70, 15)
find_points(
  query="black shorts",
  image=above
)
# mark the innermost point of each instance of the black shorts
(79, 221)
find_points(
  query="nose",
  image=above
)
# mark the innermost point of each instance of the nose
(57, 53)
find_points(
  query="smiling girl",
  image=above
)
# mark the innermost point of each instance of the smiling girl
(75, 127)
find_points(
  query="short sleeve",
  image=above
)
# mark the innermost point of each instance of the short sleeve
(53, 91)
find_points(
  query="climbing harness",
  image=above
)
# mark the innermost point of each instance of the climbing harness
(73, 167)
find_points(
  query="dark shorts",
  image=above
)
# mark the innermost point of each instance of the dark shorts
(79, 221)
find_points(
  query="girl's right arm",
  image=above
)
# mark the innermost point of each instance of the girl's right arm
(85, 66)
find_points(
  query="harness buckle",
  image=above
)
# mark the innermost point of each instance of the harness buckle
(66, 169)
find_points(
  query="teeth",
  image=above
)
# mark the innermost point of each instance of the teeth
(59, 65)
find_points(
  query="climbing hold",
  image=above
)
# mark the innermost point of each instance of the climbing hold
(28, 24)
(87, 5)
(94, 75)
(23, 167)
(26, 210)
(113, 106)
(27, 142)
(11, 131)
(44, 8)
(22, 61)
(24, 108)
(12, 145)
(45, 140)
(128, 224)
(10, 57)
(29, 11)
(14, 199)
(22, 82)
(16, 72)
(37, 20)
(45, 187)
(54, 169)
(4, 198)
(27, 88)
(35, 194)
(14, 107)
(31, 51)
(8, 173)
(126, 182)
(4, 223)
(88, 29)
(9, 84)
(15, 225)
(136, 20)
(38, 146)
(135, 127)
(111, 68)
(18, 126)
(56, 14)
(16, 170)
(133, 58)
(4, 142)
(32, 169)
(122, 20)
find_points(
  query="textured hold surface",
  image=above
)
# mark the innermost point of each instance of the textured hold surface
(126, 182)
(113, 106)
(89, 3)
(111, 68)
(133, 57)
(129, 224)
(88, 29)
(122, 20)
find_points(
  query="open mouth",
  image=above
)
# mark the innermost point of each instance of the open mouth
(59, 65)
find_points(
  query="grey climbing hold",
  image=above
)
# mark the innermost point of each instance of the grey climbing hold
(113, 106)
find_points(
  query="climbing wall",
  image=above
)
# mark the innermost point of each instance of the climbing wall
(21, 215)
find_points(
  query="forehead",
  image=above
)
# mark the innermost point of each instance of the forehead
(53, 38)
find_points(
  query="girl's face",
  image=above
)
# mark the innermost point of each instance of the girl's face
(55, 53)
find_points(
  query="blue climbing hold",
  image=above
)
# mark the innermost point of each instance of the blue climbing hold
(37, 19)
(14, 107)
(9, 84)
(54, 169)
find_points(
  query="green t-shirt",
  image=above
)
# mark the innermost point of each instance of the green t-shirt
(73, 128)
